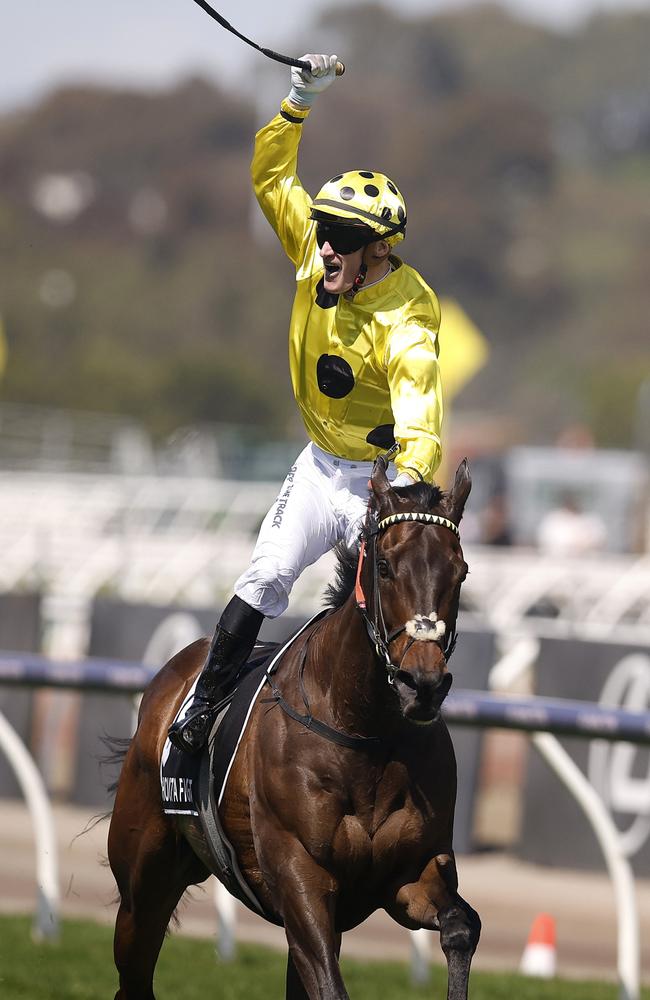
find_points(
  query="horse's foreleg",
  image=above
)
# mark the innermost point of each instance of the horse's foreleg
(305, 895)
(313, 971)
(460, 927)
(295, 988)
(433, 903)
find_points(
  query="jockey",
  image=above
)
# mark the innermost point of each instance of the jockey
(364, 366)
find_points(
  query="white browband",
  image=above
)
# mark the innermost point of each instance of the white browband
(443, 522)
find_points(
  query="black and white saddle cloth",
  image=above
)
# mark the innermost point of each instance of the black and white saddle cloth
(194, 784)
(180, 772)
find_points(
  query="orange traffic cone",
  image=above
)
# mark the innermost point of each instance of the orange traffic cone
(540, 957)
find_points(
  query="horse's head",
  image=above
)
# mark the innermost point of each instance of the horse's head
(413, 581)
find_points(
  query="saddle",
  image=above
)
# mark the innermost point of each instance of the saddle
(193, 785)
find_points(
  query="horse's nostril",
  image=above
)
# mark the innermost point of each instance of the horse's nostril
(428, 689)
(407, 678)
(435, 689)
(447, 681)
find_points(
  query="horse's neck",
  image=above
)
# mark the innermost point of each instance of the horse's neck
(352, 682)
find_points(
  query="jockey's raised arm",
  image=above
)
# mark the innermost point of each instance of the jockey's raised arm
(363, 354)
(280, 194)
(274, 170)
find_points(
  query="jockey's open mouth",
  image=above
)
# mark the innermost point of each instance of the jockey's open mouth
(340, 271)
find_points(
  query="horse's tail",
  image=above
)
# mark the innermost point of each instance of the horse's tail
(117, 748)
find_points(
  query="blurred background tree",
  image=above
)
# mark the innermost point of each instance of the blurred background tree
(131, 280)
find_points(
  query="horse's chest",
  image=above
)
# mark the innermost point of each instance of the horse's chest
(401, 834)
(380, 832)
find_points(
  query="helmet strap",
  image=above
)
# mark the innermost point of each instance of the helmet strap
(361, 276)
(357, 284)
(359, 281)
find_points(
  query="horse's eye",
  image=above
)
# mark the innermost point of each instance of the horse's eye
(384, 569)
(464, 572)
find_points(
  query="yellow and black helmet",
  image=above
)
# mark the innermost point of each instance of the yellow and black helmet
(363, 197)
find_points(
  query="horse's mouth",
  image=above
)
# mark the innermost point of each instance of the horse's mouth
(423, 722)
(420, 716)
(421, 706)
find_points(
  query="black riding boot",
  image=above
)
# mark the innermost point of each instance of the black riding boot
(232, 643)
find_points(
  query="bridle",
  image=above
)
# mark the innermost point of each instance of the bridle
(378, 633)
(376, 629)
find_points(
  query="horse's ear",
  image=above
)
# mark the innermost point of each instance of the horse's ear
(379, 480)
(457, 497)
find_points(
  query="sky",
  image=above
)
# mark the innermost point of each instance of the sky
(156, 42)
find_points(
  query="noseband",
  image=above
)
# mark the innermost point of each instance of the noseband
(377, 631)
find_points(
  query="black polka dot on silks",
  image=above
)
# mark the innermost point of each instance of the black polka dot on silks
(401, 214)
(386, 213)
(339, 177)
(368, 174)
(334, 376)
(371, 190)
(391, 187)
(347, 193)
(382, 436)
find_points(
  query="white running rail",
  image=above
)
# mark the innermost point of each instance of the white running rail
(46, 922)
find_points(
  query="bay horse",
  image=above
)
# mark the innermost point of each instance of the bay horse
(325, 832)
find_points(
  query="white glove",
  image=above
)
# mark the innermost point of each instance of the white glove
(305, 86)
(403, 480)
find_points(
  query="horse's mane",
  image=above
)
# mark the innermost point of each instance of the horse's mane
(422, 496)
(345, 573)
(425, 495)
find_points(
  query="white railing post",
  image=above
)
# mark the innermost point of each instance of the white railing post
(514, 664)
(420, 956)
(46, 919)
(520, 656)
(618, 866)
(226, 922)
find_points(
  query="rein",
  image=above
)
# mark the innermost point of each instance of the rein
(308, 721)
(377, 631)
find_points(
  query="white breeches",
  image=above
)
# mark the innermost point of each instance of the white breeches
(322, 502)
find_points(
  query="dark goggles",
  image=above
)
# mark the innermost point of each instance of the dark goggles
(344, 239)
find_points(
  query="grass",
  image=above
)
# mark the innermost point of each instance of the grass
(80, 967)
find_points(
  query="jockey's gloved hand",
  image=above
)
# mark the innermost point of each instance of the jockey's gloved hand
(403, 480)
(305, 86)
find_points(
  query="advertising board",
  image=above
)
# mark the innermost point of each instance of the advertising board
(554, 830)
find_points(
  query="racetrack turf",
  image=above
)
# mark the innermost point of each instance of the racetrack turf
(80, 967)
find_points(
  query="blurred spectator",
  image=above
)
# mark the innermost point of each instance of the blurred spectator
(495, 526)
(567, 529)
(577, 436)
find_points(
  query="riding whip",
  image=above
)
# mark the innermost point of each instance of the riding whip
(287, 60)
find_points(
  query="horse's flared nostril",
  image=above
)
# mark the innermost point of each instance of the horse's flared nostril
(406, 677)
(434, 690)
(426, 688)
(422, 694)
(445, 685)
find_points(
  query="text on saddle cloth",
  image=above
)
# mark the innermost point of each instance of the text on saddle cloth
(179, 771)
